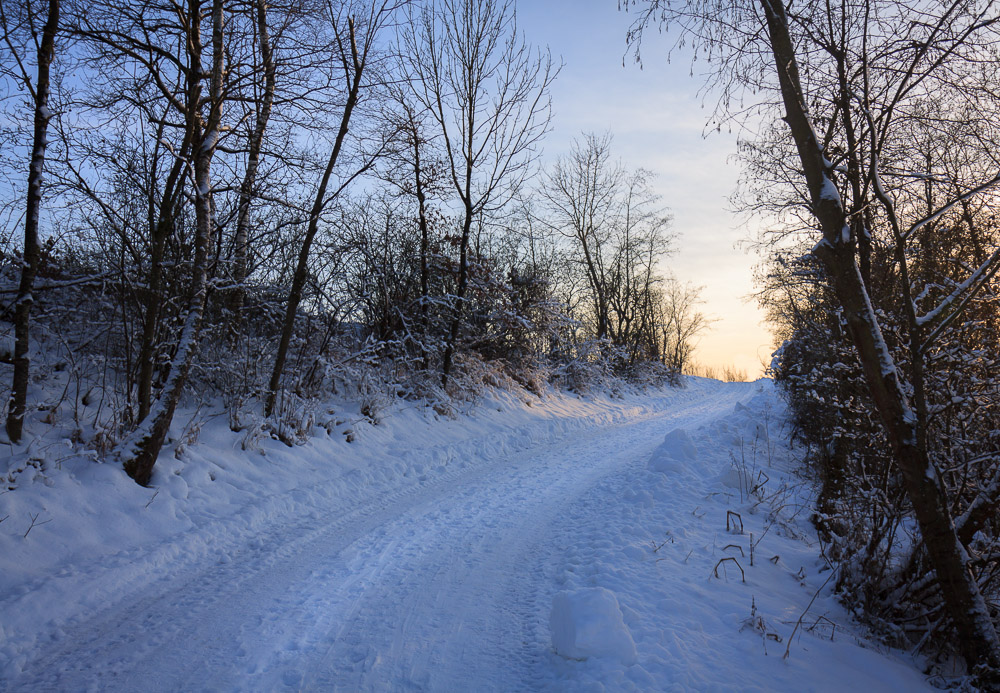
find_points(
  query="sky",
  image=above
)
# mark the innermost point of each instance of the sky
(657, 118)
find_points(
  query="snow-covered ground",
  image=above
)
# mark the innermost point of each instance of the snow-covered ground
(558, 544)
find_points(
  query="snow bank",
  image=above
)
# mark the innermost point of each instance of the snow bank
(676, 455)
(669, 539)
(588, 623)
(78, 536)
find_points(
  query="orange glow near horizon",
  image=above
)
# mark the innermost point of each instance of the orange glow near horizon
(657, 121)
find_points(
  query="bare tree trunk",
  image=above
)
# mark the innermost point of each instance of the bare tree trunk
(241, 250)
(32, 250)
(465, 192)
(463, 285)
(354, 65)
(143, 447)
(425, 239)
(597, 285)
(488, 96)
(977, 636)
(161, 229)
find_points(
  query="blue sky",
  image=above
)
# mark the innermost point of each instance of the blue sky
(658, 120)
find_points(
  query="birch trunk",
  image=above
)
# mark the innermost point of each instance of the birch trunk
(143, 447)
(32, 251)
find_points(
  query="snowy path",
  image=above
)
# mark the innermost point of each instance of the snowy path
(440, 586)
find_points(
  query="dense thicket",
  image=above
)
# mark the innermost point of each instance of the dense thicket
(863, 510)
(875, 167)
(267, 202)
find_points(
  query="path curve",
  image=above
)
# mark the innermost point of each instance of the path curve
(436, 587)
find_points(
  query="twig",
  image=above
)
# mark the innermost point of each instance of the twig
(761, 484)
(808, 606)
(734, 516)
(34, 523)
(832, 625)
(730, 558)
(738, 548)
(156, 493)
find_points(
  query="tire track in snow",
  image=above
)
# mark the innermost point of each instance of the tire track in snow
(480, 561)
(439, 586)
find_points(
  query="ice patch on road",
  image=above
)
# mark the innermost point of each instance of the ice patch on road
(588, 623)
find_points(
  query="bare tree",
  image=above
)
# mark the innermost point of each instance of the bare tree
(487, 93)
(143, 58)
(140, 450)
(616, 234)
(354, 59)
(582, 192)
(681, 324)
(416, 171)
(869, 83)
(19, 22)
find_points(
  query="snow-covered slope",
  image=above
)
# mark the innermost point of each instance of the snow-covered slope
(566, 544)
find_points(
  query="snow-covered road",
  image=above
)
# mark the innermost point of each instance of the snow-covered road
(568, 543)
(443, 586)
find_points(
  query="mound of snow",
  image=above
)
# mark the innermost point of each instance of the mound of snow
(675, 453)
(588, 623)
(734, 478)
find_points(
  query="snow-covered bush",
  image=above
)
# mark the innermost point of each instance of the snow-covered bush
(862, 512)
